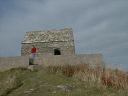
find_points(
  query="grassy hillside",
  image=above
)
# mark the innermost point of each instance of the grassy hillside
(63, 81)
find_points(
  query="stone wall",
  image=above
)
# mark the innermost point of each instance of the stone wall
(92, 59)
(13, 62)
(48, 48)
(23, 61)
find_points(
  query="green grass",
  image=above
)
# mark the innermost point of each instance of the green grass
(23, 82)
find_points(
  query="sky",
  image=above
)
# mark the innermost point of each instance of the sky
(99, 26)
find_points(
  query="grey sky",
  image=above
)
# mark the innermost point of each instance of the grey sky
(99, 25)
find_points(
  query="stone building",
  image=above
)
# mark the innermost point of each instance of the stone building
(54, 42)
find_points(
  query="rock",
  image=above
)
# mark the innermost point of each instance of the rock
(34, 67)
(66, 88)
(29, 91)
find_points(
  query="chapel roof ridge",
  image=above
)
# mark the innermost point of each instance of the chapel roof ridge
(50, 30)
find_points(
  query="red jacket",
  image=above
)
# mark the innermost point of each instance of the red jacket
(33, 50)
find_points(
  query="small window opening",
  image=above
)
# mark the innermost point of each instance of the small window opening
(57, 52)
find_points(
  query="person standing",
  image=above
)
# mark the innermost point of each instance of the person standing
(33, 54)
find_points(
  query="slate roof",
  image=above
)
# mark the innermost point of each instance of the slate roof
(65, 34)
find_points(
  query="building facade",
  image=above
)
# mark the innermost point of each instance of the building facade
(53, 42)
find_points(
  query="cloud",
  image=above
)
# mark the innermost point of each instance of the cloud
(99, 25)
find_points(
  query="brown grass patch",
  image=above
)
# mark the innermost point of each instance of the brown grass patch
(102, 76)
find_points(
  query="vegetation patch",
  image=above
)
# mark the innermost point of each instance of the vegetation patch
(68, 80)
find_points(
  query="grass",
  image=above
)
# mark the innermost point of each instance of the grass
(107, 77)
(74, 80)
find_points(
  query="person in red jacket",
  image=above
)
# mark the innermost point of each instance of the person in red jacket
(33, 52)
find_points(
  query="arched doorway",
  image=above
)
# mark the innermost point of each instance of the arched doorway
(57, 52)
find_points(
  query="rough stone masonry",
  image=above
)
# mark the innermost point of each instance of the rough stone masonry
(49, 42)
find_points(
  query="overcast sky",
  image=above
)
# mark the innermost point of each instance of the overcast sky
(100, 26)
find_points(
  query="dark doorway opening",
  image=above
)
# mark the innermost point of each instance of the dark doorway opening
(57, 52)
